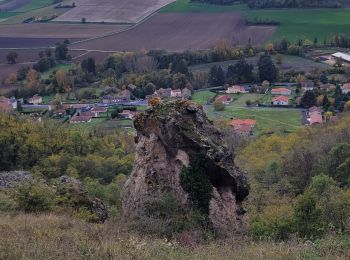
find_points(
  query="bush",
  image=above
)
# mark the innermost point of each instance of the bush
(6, 202)
(34, 197)
(197, 184)
(218, 105)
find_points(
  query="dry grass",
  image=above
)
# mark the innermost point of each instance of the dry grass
(26, 236)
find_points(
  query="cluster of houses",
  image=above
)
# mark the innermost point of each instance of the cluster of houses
(281, 98)
(86, 114)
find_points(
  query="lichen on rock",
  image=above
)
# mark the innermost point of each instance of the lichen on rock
(170, 138)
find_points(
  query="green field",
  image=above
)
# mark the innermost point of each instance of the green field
(187, 6)
(202, 97)
(268, 119)
(306, 23)
(34, 4)
(295, 23)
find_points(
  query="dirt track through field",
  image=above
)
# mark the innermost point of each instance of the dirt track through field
(181, 31)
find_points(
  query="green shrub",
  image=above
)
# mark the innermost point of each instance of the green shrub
(196, 183)
(7, 203)
(34, 197)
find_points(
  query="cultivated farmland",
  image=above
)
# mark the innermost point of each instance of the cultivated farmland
(110, 11)
(181, 31)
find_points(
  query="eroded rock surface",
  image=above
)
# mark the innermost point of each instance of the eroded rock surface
(169, 137)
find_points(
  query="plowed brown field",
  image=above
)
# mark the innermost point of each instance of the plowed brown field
(181, 31)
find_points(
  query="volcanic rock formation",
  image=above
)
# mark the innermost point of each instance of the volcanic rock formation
(170, 138)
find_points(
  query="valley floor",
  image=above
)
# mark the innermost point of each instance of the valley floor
(26, 236)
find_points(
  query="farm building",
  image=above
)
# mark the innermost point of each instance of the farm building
(345, 57)
(127, 114)
(236, 89)
(243, 126)
(345, 88)
(280, 101)
(315, 118)
(80, 119)
(224, 99)
(308, 85)
(176, 93)
(281, 91)
(97, 110)
(36, 99)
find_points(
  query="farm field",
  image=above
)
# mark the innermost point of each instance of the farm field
(288, 63)
(110, 11)
(193, 31)
(295, 23)
(12, 5)
(57, 30)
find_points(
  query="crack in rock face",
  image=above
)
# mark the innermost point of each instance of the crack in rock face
(169, 136)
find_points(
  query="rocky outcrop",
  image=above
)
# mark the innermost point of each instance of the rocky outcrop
(12, 179)
(169, 137)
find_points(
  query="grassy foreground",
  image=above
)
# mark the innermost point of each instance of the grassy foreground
(59, 237)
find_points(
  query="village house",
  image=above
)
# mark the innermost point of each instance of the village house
(97, 110)
(236, 89)
(176, 93)
(281, 91)
(315, 118)
(80, 119)
(315, 115)
(345, 88)
(127, 114)
(308, 85)
(59, 112)
(243, 127)
(224, 99)
(5, 105)
(280, 101)
(86, 113)
(163, 93)
(35, 100)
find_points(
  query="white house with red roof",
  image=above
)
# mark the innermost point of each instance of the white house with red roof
(281, 91)
(225, 99)
(345, 88)
(280, 101)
